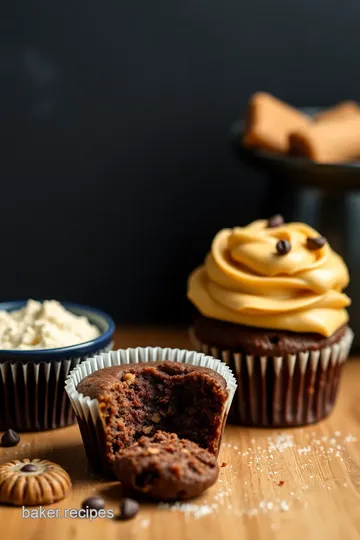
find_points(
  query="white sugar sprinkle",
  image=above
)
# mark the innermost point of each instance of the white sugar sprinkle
(190, 509)
(304, 450)
(350, 438)
(267, 506)
(222, 494)
(280, 442)
(284, 506)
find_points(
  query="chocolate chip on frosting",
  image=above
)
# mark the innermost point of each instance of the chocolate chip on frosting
(275, 221)
(315, 243)
(33, 482)
(283, 247)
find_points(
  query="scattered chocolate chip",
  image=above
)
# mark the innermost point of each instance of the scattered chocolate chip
(315, 243)
(29, 467)
(281, 483)
(94, 503)
(10, 438)
(223, 464)
(128, 508)
(283, 247)
(275, 221)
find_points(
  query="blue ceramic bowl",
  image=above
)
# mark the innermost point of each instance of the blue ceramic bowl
(32, 395)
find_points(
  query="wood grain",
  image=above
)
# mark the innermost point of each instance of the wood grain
(299, 483)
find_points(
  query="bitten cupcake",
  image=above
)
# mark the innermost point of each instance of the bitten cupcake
(270, 303)
(121, 396)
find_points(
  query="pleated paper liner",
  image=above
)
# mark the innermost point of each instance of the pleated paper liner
(87, 410)
(32, 395)
(297, 389)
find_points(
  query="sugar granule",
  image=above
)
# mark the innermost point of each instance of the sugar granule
(280, 443)
(190, 509)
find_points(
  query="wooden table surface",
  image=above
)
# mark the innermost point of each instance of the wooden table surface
(289, 484)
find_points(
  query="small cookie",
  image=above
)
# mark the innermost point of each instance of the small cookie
(31, 482)
(165, 467)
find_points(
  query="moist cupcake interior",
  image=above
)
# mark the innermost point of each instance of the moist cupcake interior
(163, 396)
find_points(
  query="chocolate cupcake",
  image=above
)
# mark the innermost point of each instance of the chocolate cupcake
(121, 396)
(270, 304)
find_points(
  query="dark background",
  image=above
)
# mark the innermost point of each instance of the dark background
(115, 165)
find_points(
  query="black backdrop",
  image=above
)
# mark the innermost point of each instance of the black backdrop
(115, 167)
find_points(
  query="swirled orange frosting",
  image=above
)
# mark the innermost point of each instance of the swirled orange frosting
(244, 280)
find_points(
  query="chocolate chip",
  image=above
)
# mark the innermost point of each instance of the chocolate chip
(94, 503)
(283, 247)
(275, 221)
(29, 467)
(315, 243)
(128, 508)
(10, 438)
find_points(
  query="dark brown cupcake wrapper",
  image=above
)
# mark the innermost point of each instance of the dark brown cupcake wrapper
(87, 410)
(295, 390)
(32, 395)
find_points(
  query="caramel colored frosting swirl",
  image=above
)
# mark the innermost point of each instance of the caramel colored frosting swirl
(245, 280)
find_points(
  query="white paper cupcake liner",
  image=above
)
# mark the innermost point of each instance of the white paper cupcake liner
(32, 395)
(87, 410)
(280, 391)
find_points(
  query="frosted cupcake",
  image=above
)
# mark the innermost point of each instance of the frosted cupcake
(270, 303)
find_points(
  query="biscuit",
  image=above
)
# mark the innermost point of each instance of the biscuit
(32, 482)
(166, 468)
(270, 121)
(332, 141)
(341, 110)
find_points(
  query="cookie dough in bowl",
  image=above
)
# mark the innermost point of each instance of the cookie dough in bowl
(44, 325)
